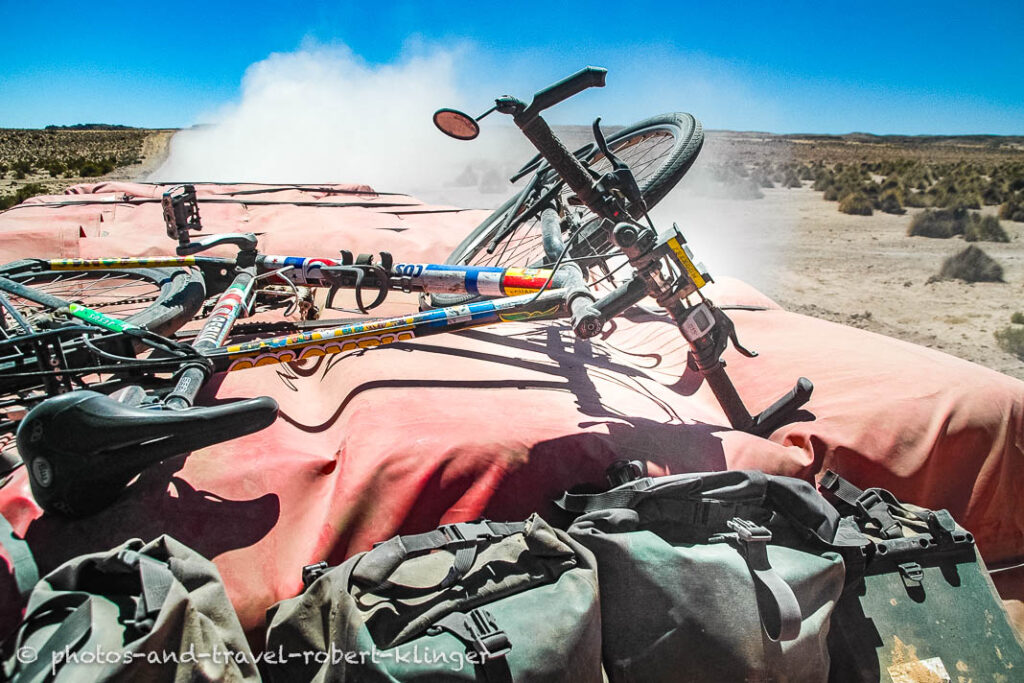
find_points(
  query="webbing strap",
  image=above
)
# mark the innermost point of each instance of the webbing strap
(869, 504)
(708, 513)
(782, 621)
(70, 635)
(778, 607)
(482, 636)
(23, 564)
(155, 579)
(623, 497)
(465, 538)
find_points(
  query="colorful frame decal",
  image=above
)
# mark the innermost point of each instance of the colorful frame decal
(128, 262)
(294, 347)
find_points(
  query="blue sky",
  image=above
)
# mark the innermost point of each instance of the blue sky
(913, 67)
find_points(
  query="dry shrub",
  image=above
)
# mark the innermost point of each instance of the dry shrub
(918, 200)
(1011, 340)
(1012, 210)
(890, 202)
(856, 204)
(940, 223)
(985, 229)
(23, 193)
(971, 265)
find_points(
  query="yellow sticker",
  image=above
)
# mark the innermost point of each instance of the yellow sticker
(127, 262)
(695, 275)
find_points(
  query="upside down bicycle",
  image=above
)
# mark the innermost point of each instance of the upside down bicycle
(98, 381)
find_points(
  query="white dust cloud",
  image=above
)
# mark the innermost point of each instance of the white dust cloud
(321, 115)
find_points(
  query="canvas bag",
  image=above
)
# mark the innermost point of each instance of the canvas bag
(724, 576)
(519, 599)
(921, 607)
(143, 611)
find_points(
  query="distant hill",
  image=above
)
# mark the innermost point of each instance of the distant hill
(92, 126)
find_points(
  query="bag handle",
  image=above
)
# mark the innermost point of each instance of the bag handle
(464, 538)
(778, 607)
(71, 634)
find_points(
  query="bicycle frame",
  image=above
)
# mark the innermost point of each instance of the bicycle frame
(515, 290)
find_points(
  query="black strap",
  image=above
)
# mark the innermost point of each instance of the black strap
(71, 635)
(464, 538)
(693, 512)
(483, 638)
(777, 604)
(23, 564)
(155, 580)
(626, 496)
(871, 504)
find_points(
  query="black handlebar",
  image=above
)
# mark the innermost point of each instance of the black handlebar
(587, 77)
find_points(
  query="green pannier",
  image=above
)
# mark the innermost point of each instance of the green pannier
(140, 612)
(473, 601)
(725, 576)
(926, 609)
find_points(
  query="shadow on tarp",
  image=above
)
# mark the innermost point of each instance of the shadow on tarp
(157, 502)
(529, 481)
(573, 361)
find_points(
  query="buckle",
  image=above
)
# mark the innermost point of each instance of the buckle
(625, 471)
(487, 640)
(478, 630)
(464, 534)
(749, 532)
(870, 505)
(312, 572)
(868, 500)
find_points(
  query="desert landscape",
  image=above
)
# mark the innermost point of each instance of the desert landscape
(857, 229)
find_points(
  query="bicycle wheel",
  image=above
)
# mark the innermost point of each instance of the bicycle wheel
(158, 299)
(659, 150)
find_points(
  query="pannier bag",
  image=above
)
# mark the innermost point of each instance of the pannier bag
(724, 576)
(926, 609)
(475, 601)
(140, 612)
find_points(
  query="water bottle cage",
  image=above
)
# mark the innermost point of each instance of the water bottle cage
(352, 273)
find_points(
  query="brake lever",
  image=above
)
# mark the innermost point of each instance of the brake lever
(620, 177)
(245, 241)
(726, 333)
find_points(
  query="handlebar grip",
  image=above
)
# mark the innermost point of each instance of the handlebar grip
(783, 409)
(587, 77)
(564, 162)
(586, 320)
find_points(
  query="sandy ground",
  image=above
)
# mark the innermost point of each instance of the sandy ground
(154, 152)
(862, 271)
(858, 270)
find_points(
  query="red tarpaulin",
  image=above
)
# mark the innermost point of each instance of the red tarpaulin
(498, 421)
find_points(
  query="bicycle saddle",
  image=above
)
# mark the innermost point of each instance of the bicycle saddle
(82, 448)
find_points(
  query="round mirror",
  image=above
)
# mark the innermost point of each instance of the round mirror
(456, 124)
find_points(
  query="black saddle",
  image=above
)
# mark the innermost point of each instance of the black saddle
(82, 448)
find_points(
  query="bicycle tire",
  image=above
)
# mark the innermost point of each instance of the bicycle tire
(175, 295)
(687, 138)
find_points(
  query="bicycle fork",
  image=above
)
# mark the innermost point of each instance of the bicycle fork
(705, 327)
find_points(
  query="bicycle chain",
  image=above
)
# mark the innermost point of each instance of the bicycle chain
(122, 302)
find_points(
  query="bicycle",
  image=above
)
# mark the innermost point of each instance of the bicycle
(123, 388)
